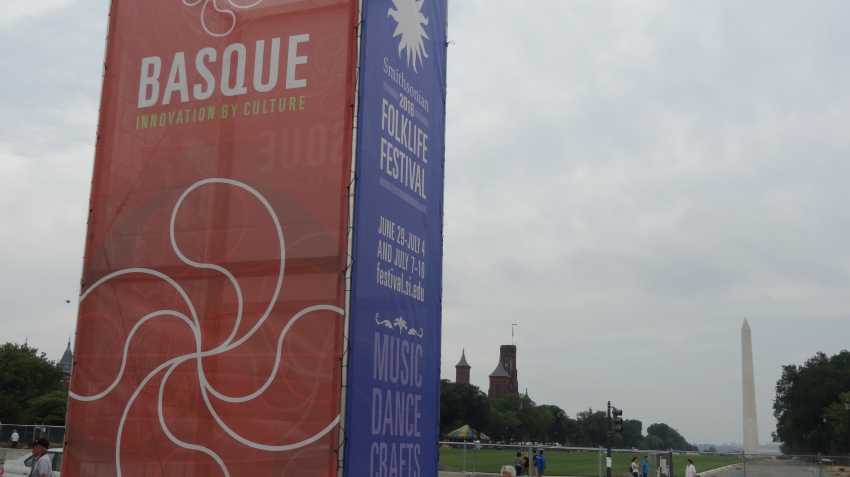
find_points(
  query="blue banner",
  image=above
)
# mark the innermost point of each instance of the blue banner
(393, 389)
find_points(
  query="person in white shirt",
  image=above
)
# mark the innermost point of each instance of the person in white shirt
(508, 471)
(15, 438)
(633, 467)
(42, 464)
(691, 469)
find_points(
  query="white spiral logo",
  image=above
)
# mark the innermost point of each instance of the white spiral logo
(192, 322)
(229, 10)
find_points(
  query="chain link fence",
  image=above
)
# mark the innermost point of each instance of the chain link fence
(473, 458)
(28, 433)
(11, 449)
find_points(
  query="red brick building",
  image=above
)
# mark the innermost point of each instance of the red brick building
(462, 369)
(504, 379)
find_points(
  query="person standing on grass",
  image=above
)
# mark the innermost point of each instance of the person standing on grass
(525, 465)
(539, 464)
(644, 466)
(691, 469)
(534, 459)
(633, 467)
(518, 463)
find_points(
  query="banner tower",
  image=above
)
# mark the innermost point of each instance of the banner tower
(215, 318)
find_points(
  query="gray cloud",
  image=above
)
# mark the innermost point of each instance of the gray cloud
(53, 51)
(628, 181)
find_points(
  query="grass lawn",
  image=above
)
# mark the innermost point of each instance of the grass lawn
(568, 463)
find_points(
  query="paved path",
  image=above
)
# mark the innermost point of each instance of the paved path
(770, 468)
(12, 454)
(478, 474)
(766, 468)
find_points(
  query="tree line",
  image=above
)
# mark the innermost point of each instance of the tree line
(520, 419)
(812, 406)
(31, 387)
(32, 392)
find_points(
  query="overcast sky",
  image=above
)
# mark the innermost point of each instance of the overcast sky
(626, 180)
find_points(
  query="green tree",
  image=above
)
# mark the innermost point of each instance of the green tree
(809, 406)
(632, 433)
(591, 428)
(519, 418)
(28, 383)
(507, 421)
(837, 418)
(651, 442)
(504, 424)
(49, 409)
(462, 404)
(559, 426)
(670, 438)
(538, 421)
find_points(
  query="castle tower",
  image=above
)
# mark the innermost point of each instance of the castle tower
(66, 364)
(507, 358)
(462, 369)
(500, 383)
(751, 436)
(503, 380)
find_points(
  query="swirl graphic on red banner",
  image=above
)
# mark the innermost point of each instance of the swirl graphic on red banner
(191, 320)
(211, 7)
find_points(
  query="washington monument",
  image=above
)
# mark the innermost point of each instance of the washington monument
(751, 435)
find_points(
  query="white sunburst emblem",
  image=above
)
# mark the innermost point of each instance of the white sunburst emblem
(410, 26)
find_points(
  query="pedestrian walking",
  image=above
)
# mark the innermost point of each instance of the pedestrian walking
(691, 469)
(42, 465)
(644, 466)
(633, 467)
(14, 438)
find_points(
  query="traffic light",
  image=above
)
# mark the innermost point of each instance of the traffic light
(617, 414)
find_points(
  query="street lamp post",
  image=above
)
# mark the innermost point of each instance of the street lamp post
(615, 426)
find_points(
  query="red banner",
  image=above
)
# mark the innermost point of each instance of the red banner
(210, 323)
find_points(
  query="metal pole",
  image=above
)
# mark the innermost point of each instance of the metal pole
(608, 453)
(464, 456)
(599, 461)
(475, 458)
